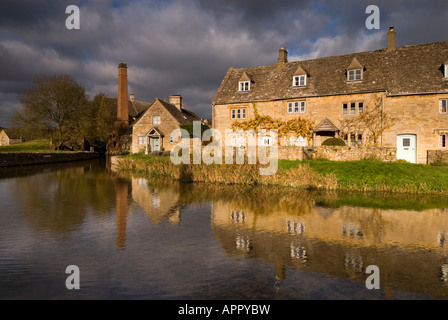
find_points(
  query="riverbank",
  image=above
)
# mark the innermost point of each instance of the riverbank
(313, 175)
(9, 159)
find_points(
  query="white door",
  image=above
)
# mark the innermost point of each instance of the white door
(407, 147)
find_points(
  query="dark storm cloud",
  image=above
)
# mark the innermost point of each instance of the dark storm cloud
(185, 47)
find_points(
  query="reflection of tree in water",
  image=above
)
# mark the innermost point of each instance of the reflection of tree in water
(58, 201)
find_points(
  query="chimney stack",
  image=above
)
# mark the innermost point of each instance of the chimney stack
(282, 57)
(177, 101)
(391, 39)
(122, 101)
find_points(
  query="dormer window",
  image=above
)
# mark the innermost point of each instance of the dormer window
(299, 81)
(355, 75)
(244, 86)
(299, 78)
(244, 82)
(445, 69)
(355, 71)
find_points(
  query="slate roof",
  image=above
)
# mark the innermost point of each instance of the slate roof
(11, 133)
(414, 69)
(137, 108)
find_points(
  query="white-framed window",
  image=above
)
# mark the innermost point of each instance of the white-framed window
(238, 113)
(359, 140)
(299, 81)
(443, 106)
(142, 140)
(352, 107)
(442, 140)
(297, 141)
(445, 70)
(156, 120)
(244, 86)
(360, 107)
(297, 107)
(265, 141)
(354, 75)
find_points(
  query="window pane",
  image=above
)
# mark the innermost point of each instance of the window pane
(352, 108)
(289, 107)
(351, 75)
(406, 142)
(233, 113)
(358, 74)
(360, 107)
(302, 81)
(302, 106)
(296, 107)
(442, 141)
(442, 105)
(344, 108)
(243, 113)
(296, 81)
(238, 113)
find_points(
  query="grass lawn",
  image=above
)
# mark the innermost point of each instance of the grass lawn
(374, 174)
(29, 146)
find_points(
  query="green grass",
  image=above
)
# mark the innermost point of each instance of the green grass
(29, 146)
(379, 176)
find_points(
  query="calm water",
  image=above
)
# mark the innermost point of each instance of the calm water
(138, 238)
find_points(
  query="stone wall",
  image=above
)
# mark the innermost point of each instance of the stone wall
(22, 159)
(352, 154)
(440, 156)
(337, 153)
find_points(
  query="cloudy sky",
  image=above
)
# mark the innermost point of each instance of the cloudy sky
(186, 46)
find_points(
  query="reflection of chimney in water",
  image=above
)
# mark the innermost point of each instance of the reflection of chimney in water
(121, 190)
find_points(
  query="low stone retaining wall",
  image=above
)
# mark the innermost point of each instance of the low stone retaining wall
(440, 156)
(337, 153)
(354, 153)
(8, 159)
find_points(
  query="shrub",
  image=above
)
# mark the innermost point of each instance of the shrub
(332, 142)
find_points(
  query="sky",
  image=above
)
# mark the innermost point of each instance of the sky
(186, 46)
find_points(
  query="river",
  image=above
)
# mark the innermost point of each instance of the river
(134, 237)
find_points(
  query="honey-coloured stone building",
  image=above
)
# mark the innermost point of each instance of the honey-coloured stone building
(395, 98)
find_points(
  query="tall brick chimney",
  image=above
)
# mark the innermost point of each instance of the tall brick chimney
(391, 39)
(122, 99)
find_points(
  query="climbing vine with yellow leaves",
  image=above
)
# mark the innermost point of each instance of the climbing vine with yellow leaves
(299, 126)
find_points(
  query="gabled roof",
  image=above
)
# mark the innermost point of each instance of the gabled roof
(300, 72)
(406, 70)
(155, 131)
(136, 108)
(355, 65)
(182, 116)
(11, 133)
(326, 125)
(245, 77)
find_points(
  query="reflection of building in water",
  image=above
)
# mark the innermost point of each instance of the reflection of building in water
(121, 191)
(157, 204)
(342, 242)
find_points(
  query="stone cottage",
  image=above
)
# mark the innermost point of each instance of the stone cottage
(8, 137)
(146, 127)
(394, 97)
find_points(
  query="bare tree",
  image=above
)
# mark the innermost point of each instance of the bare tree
(373, 121)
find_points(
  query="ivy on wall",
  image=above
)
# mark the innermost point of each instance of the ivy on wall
(299, 126)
